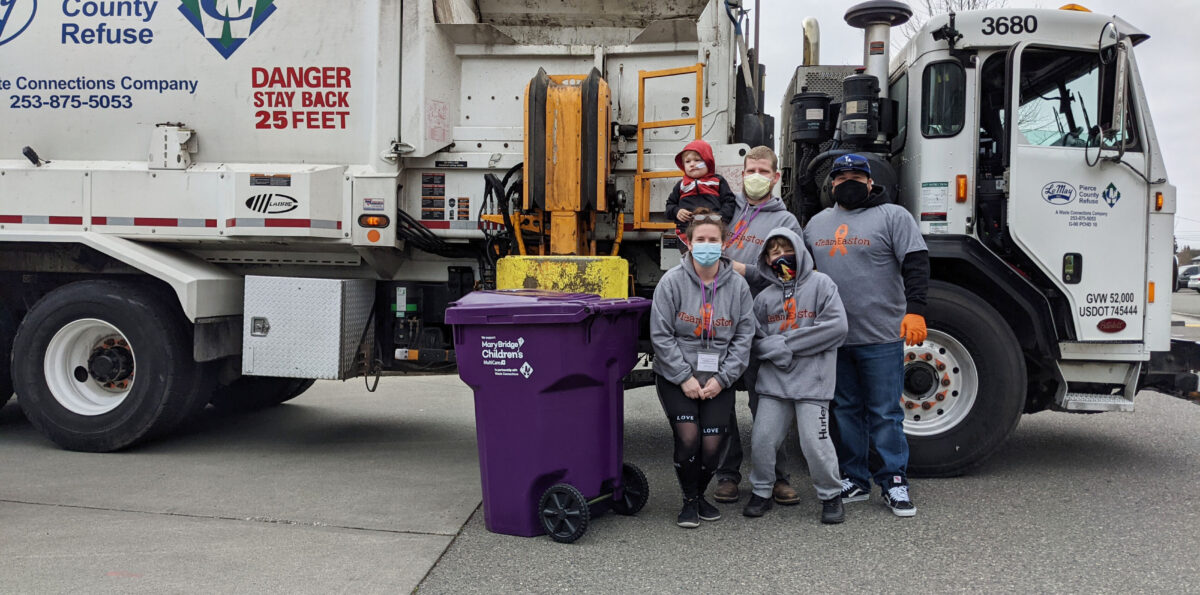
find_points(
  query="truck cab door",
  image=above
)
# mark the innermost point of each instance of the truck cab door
(1081, 219)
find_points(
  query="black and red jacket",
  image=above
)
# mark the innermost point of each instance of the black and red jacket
(710, 191)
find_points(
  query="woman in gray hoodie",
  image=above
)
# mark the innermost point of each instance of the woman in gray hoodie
(801, 323)
(701, 325)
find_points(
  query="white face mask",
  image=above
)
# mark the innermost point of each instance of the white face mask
(756, 185)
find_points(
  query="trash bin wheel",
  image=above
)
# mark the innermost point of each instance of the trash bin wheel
(564, 513)
(635, 490)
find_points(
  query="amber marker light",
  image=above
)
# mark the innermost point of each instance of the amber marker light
(372, 220)
(1075, 7)
(960, 188)
(373, 235)
(1150, 293)
(1158, 201)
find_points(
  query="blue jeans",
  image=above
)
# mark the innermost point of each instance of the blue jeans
(866, 408)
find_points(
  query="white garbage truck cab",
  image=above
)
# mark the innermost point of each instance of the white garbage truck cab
(1022, 143)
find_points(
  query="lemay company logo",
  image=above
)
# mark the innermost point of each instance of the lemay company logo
(272, 204)
(15, 17)
(226, 24)
(1058, 193)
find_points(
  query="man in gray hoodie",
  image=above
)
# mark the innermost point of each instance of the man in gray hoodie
(801, 323)
(757, 213)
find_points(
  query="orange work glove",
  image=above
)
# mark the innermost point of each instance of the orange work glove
(912, 329)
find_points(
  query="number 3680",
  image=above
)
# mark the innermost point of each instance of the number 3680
(1004, 25)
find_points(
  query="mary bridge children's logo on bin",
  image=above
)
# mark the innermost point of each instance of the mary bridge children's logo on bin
(503, 355)
(1058, 193)
(226, 24)
(15, 17)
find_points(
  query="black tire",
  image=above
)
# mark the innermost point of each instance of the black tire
(564, 513)
(1001, 381)
(251, 393)
(166, 386)
(8, 330)
(635, 491)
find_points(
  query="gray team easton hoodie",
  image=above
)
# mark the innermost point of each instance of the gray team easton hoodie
(798, 353)
(675, 322)
(748, 245)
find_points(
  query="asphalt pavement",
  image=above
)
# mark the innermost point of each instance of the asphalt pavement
(341, 490)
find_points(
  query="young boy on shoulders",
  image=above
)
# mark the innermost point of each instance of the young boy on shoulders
(701, 186)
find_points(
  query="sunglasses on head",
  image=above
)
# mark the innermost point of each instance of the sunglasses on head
(715, 218)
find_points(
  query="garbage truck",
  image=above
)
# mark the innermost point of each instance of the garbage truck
(213, 201)
(217, 202)
(1021, 142)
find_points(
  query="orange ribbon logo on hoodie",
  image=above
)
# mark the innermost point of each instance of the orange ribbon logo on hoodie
(790, 322)
(839, 240)
(706, 320)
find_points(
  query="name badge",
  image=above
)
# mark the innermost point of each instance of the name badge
(707, 361)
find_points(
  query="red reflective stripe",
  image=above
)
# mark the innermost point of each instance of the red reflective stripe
(339, 224)
(231, 223)
(66, 220)
(436, 224)
(99, 220)
(210, 223)
(10, 218)
(155, 222)
(287, 223)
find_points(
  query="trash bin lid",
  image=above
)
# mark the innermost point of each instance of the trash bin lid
(534, 306)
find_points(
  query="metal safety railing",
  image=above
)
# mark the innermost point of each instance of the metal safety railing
(643, 178)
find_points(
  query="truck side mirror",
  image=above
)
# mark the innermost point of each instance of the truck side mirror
(1114, 52)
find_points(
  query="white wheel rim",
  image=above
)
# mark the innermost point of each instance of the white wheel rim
(950, 400)
(71, 351)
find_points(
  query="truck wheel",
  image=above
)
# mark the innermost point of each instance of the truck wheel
(103, 365)
(250, 393)
(8, 329)
(964, 387)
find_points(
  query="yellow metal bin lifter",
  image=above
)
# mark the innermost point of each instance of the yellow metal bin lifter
(565, 181)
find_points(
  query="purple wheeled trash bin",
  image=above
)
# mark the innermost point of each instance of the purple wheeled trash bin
(546, 368)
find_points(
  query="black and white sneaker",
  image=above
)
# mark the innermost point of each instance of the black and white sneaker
(707, 511)
(689, 517)
(853, 493)
(896, 498)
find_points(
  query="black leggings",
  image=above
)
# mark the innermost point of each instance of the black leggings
(692, 419)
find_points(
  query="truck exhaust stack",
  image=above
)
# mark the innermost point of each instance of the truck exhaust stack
(876, 18)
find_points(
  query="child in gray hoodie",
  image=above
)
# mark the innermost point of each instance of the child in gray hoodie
(801, 323)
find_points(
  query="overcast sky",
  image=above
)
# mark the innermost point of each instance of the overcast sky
(1170, 72)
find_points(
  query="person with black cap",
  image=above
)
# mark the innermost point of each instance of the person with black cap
(874, 251)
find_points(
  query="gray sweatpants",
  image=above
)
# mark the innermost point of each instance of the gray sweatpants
(812, 423)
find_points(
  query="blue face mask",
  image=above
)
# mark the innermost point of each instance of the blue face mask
(706, 254)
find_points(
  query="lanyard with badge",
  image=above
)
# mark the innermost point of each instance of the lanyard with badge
(743, 228)
(708, 359)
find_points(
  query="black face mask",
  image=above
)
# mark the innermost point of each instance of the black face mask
(785, 267)
(851, 194)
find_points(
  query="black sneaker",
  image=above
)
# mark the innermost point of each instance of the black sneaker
(852, 493)
(757, 506)
(689, 517)
(708, 512)
(896, 498)
(832, 511)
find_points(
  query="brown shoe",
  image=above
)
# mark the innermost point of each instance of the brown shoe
(727, 491)
(784, 494)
